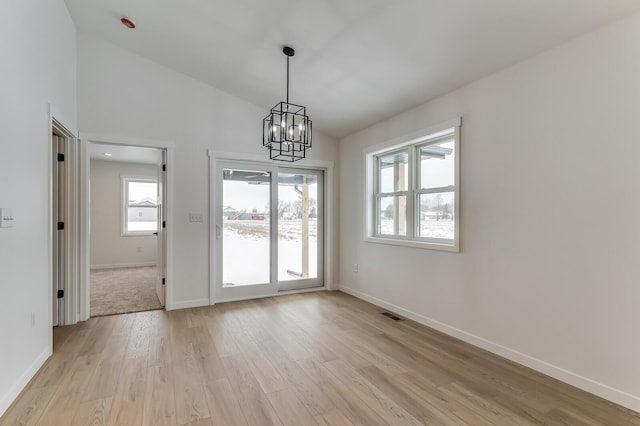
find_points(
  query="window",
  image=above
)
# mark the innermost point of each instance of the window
(393, 181)
(413, 190)
(140, 206)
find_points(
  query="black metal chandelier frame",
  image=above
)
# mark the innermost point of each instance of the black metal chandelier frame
(287, 129)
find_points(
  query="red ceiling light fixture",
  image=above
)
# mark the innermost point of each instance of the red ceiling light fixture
(128, 22)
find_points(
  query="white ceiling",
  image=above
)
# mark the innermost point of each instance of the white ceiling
(127, 154)
(357, 61)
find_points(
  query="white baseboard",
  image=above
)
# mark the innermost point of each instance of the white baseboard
(13, 392)
(604, 391)
(276, 294)
(123, 265)
(195, 303)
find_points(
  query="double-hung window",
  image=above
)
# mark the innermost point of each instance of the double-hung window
(139, 206)
(413, 190)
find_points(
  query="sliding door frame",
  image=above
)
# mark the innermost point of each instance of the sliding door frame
(220, 160)
(304, 283)
(247, 291)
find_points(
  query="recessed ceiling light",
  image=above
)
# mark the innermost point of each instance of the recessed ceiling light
(128, 22)
(107, 154)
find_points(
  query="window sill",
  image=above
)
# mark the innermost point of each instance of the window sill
(454, 248)
(138, 234)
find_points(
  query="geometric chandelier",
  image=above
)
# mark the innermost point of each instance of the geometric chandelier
(287, 129)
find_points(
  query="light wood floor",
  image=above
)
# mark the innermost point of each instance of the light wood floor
(312, 359)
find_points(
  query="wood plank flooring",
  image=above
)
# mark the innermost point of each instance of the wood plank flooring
(310, 359)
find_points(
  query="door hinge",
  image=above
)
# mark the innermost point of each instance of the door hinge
(60, 294)
(164, 224)
(60, 226)
(163, 281)
(164, 167)
(60, 156)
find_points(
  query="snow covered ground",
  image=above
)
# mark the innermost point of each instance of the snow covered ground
(246, 248)
(139, 225)
(246, 254)
(428, 228)
(437, 229)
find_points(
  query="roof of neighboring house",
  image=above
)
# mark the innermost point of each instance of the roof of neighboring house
(147, 202)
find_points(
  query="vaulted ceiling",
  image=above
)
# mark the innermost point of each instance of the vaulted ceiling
(357, 61)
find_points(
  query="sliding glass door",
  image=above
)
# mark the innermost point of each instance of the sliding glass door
(299, 228)
(269, 230)
(246, 223)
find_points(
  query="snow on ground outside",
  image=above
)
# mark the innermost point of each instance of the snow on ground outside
(245, 255)
(246, 247)
(428, 228)
(143, 226)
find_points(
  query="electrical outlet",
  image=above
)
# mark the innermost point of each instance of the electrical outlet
(33, 319)
(355, 267)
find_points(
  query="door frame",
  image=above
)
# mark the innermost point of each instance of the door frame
(256, 160)
(85, 211)
(71, 223)
(161, 234)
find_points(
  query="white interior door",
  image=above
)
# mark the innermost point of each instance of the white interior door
(268, 230)
(161, 234)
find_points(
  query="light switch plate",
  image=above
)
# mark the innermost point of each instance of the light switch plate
(6, 217)
(196, 217)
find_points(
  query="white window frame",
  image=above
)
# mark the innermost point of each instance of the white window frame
(124, 201)
(412, 144)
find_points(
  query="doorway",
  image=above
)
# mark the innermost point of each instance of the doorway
(127, 219)
(269, 230)
(64, 225)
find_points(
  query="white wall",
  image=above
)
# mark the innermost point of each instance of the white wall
(124, 95)
(37, 41)
(109, 248)
(548, 274)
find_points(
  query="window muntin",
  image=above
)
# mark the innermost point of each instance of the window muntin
(140, 205)
(414, 192)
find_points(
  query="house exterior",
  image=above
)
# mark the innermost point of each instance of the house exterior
(229, 212)
(143, 211)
